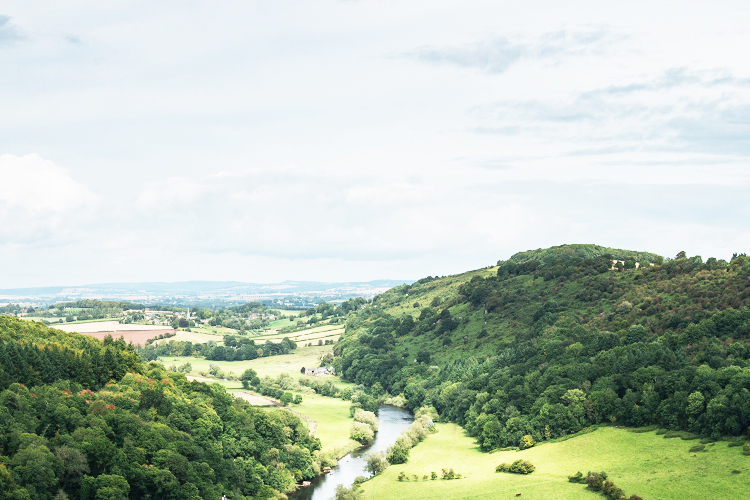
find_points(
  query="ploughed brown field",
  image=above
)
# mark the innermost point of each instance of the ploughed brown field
(134, 336)
(137, 334)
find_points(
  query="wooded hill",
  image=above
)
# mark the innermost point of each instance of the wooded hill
(548, 344)
(81, 418)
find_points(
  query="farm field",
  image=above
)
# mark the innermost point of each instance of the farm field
(106, 326)
(310, 335)
(272, 366)
(332, 416)
(644, 464)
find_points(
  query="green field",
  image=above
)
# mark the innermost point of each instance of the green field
(640, 463)
(272, 366)
(332, 416)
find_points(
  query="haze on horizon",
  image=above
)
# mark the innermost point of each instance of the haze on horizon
(358, 140)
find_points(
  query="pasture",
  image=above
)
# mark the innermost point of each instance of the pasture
(272, 366)
(644, 464)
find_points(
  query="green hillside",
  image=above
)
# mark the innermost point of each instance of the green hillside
(582, 251)
(83, 418)
(547, 346)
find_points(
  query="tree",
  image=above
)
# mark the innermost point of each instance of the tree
(375, 463)
(361, 432)
(297, 399)
(343, 493)
(423, 357)
(247, 376)
(286, 398)
(35, 465)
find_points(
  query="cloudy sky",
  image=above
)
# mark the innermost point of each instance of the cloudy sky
(355, 140)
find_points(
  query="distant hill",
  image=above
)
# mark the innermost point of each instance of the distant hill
(554, 340)
(582, 251)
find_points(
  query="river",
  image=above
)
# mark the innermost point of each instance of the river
(391, 422)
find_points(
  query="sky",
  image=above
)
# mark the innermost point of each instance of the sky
(265, 141)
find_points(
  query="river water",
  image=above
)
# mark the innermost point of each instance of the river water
(391, 422)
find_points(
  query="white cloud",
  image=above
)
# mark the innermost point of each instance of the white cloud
(39, 199)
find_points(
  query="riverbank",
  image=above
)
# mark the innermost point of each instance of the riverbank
(391, 422)
(644, 464)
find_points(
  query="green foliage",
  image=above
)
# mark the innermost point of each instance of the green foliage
(375, 463)
(518, 467)
(91, 421)
(450, 474)
(343, 493)
(697, 447)
(361, 432)
(578, 251)
(568, 343)
(599, 482)
(526, 442)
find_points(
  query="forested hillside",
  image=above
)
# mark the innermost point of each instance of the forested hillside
(547, 346)
(80, 418)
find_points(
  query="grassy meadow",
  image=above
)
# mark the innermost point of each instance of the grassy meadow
(272, 366)
(644, 464)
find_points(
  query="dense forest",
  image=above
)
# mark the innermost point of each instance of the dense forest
(80, 418)
(548, 347)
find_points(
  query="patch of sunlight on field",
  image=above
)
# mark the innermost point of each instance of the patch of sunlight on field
(640, 463)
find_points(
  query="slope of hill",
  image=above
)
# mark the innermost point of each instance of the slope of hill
(82, 418)
(582, 251)
(544, 349)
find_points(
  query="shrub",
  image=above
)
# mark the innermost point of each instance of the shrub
(449, 474)
(361, 432)
(526, 442)
(376, 463)
(595, 482)
(577, 478)
(697, 447)
(366, 417)
(433, 475)
(518, 467)
(397, 454)
(746, 449)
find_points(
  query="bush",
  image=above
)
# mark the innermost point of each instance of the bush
(577, 478)
(433, 475)
(376, 463)
(697, 447)
(366, 417)
(361, 432)
(449, 474)
(397, 454)
(746, 449)
(343, 493)
(526, 442)
(518, 467)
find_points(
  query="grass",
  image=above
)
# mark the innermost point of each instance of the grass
(272, 366)
(332, 416)
(645, 464)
